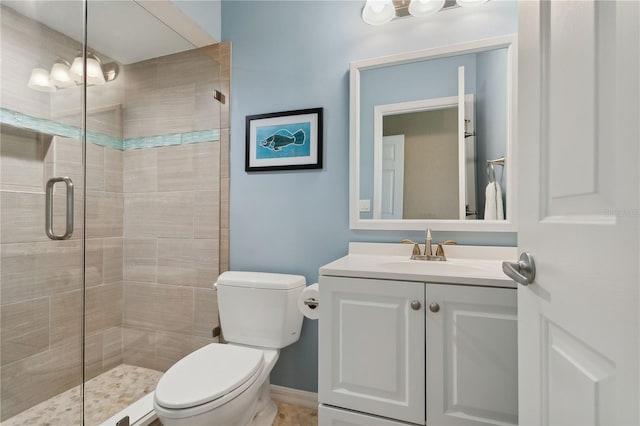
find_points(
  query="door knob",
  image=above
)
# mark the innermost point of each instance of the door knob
(434, 307)
(522, 272)
(415, 305)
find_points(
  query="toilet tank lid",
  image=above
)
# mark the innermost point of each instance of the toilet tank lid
(264, 280)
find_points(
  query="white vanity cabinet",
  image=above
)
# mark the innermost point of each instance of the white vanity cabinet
(393, 352)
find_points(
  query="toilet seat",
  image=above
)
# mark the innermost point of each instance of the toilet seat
(209, 376)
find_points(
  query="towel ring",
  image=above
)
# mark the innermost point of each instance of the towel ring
(491, 172)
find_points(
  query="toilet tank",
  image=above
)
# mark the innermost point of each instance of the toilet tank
(259, 308)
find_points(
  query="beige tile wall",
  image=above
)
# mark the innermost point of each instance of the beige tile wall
(171, 94)
(171, 252)
(104, 243)
(173, 239)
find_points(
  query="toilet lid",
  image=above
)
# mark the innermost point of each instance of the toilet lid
(207, 374)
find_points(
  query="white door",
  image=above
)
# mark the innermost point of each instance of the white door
(392, 177)
(579, 212)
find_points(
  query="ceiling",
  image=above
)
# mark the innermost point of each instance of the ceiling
(119, 29)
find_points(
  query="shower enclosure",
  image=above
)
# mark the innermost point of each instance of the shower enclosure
(112, 172)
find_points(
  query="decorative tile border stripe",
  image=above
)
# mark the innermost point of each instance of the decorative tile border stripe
(172, 139)
(50, 127)
(24, 121)
(104, 140)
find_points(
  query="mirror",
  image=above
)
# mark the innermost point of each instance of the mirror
(431, 139)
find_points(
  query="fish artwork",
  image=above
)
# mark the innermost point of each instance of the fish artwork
(283, 138)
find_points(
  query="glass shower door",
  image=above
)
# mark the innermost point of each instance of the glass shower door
(153, 188)
(103, 286)
(41, 203)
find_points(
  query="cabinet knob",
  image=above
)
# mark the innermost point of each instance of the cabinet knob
(415, 305)
(434, 307)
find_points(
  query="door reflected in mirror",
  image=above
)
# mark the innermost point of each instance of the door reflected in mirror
(421, 163)
(427, 135)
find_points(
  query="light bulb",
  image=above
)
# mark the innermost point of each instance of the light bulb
(60, 76)
(95, 75)
(76, 69)
(378, 12)
(39, 80)
(377, 6)
(94, 72)
(422, 8)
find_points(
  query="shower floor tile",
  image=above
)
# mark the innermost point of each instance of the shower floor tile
(105, 395)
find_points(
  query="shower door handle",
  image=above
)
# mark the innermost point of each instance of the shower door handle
(49, 209)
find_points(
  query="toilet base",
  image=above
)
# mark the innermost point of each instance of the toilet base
(266, 410)
(266, 416)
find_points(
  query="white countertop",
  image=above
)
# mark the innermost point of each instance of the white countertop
(467, 265)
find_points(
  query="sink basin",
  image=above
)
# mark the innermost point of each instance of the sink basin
(434, 267)
(467, 265)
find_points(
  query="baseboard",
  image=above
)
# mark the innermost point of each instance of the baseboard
(294, 396)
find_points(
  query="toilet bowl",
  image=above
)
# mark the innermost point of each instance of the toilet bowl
(215, 385)
(228, 384)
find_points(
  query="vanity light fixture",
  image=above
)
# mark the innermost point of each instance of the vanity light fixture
(378, 12)
(63, 75)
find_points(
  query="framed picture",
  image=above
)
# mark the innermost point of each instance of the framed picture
(286, 140)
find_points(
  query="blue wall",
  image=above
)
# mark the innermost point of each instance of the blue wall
(296, 54)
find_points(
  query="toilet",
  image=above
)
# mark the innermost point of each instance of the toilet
(228, 384)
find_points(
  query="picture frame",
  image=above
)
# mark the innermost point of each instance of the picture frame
(287, 140)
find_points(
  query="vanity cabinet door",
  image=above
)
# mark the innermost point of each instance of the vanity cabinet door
(472, 359)
(371, 347)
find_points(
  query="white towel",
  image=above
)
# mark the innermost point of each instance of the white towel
(493, 209)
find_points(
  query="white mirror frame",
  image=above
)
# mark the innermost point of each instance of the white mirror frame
(509, 224)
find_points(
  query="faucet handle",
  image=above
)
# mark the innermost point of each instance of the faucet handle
(416, 247)
(440, 249)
